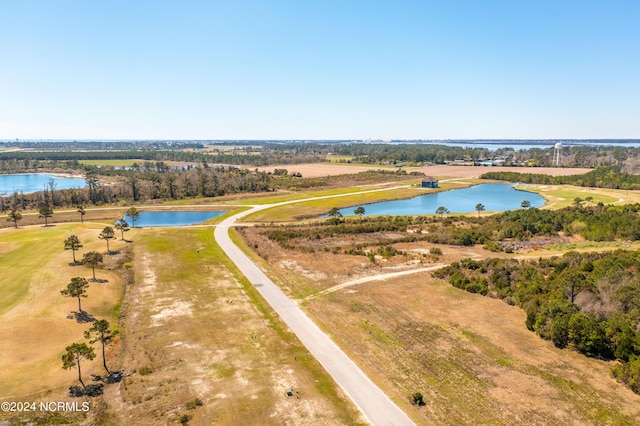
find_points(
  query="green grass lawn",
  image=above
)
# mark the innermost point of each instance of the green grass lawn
(32, 249)
(565, 195)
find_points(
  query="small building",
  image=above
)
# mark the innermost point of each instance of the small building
(429, 182)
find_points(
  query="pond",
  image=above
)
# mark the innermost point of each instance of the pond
(494, 197)
(173, 218)
(34, 182)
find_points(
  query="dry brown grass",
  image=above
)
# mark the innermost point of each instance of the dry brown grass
(192, 324)
(38, 323)
(332, 169)
(470, 356)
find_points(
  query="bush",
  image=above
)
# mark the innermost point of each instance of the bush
(192, 405)
(145, 370)
(435, 251)
(417, 399)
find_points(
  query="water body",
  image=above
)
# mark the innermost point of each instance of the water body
(34, 182)
(522, 145)
(494, 197)
(172, 218)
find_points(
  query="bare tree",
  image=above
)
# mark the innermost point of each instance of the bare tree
(82, 212)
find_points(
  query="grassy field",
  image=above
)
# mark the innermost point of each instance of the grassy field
(36, 321)
(559, 196)
(471, 357)
(196, 329)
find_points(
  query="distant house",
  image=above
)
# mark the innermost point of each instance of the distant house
(429, 182)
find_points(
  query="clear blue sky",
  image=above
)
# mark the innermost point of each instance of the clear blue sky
(324, 69)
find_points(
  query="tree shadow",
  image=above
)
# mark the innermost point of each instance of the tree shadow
(114, 377)
(99, 280)
(81, 317)
(75, 263)
(94, 389)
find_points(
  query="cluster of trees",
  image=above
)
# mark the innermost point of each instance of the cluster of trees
(336, 225)
(69, 155)
(156, 182)
(256, 153)
(596, 223)
(603, 177)
(575, 156)
(100, 331)
(588, 302)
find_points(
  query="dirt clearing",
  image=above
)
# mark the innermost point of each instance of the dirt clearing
(196, 346)
(332, 169)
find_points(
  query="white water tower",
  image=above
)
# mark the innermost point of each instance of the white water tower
(557, 154)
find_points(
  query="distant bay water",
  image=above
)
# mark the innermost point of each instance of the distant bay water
(34, 182)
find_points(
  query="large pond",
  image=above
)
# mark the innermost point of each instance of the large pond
(172, 218)
(494, 197)
(34, 182)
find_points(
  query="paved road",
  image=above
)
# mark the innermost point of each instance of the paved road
(376, 407)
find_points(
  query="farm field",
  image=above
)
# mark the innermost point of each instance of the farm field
(331, 168)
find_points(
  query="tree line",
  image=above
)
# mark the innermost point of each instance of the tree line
(157, 181)
(595, 223)
(77, 288)
(589, 302)
(612, 177)
(258, 153)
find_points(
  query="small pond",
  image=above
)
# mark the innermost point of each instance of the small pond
(172, 218)
(34, 182)
(494, 197)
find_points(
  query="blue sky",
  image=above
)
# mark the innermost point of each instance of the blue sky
(319, 70)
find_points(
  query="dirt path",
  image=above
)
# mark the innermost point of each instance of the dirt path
(379, 277)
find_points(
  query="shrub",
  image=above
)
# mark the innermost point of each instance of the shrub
(145, 370)
(417, 399)
(192, 405)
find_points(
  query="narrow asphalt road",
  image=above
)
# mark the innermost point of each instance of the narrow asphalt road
(376, 407)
